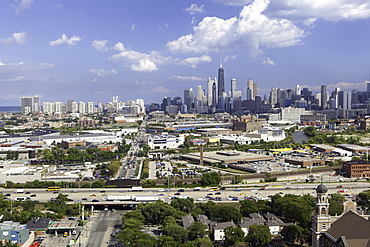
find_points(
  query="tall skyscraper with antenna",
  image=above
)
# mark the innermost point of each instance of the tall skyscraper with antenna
(221, 87)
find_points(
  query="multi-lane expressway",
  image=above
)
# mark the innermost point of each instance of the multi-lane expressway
(99, 196)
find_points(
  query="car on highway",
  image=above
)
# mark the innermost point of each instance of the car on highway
(7, 195)
(33, 195)
(161, 190)
(209, 194)
(28, 192)
(201, 199)
(218, 193)
(242, 194)
(180, 190)
(237, 189)
(177, 194)
(161, 195)
(74, 191)
(84, 199)
(218, 198)
(95, 200)
(92, 195)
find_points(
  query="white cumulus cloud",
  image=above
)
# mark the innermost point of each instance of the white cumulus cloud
(252, 31)
(100, 45)
(194, 61)
(103, 73)
(18, 38)
(65, 40)
(194, 9)
(22, 5)
(137, 61)
(334, 10)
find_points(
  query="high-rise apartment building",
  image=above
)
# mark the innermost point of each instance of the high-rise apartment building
(26, 105)
(82, 107)
(36, 103)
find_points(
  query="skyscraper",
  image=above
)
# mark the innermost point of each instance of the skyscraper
(221, 87)
(188, 98)
(324, 101)
(233, 86)
(251, 89)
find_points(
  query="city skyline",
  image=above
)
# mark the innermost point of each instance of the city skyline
(91, 50)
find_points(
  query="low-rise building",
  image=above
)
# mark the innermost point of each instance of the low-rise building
(219, 230)
(13, 233)
(356, 169)
(164, 141)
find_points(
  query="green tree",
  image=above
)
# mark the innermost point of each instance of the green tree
(169, 220)
(28, 205)
(336, 204)
(167, 241)
(197, 230)
(228, 213)
(251, 206)
(177, 232)
(130, 237)
(294, 208)
(184, 205)
(132, 223)
(258, 235)
(237, 179)
(135, 214)
(293, 234)
(148, 183)
(210, 179)
(156, 212)
(201, 242)
(233, 235)
(363, 199)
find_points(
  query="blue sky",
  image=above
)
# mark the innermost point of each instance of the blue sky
(90, 50)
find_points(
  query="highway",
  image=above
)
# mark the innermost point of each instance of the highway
(128, 166)
(99, 196)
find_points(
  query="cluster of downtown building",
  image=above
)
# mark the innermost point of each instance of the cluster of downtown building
(333, 105)
(336, 104)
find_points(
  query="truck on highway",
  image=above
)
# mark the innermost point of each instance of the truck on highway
(145, 198)
(136, 188)
(119, 198)
(19, 191)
